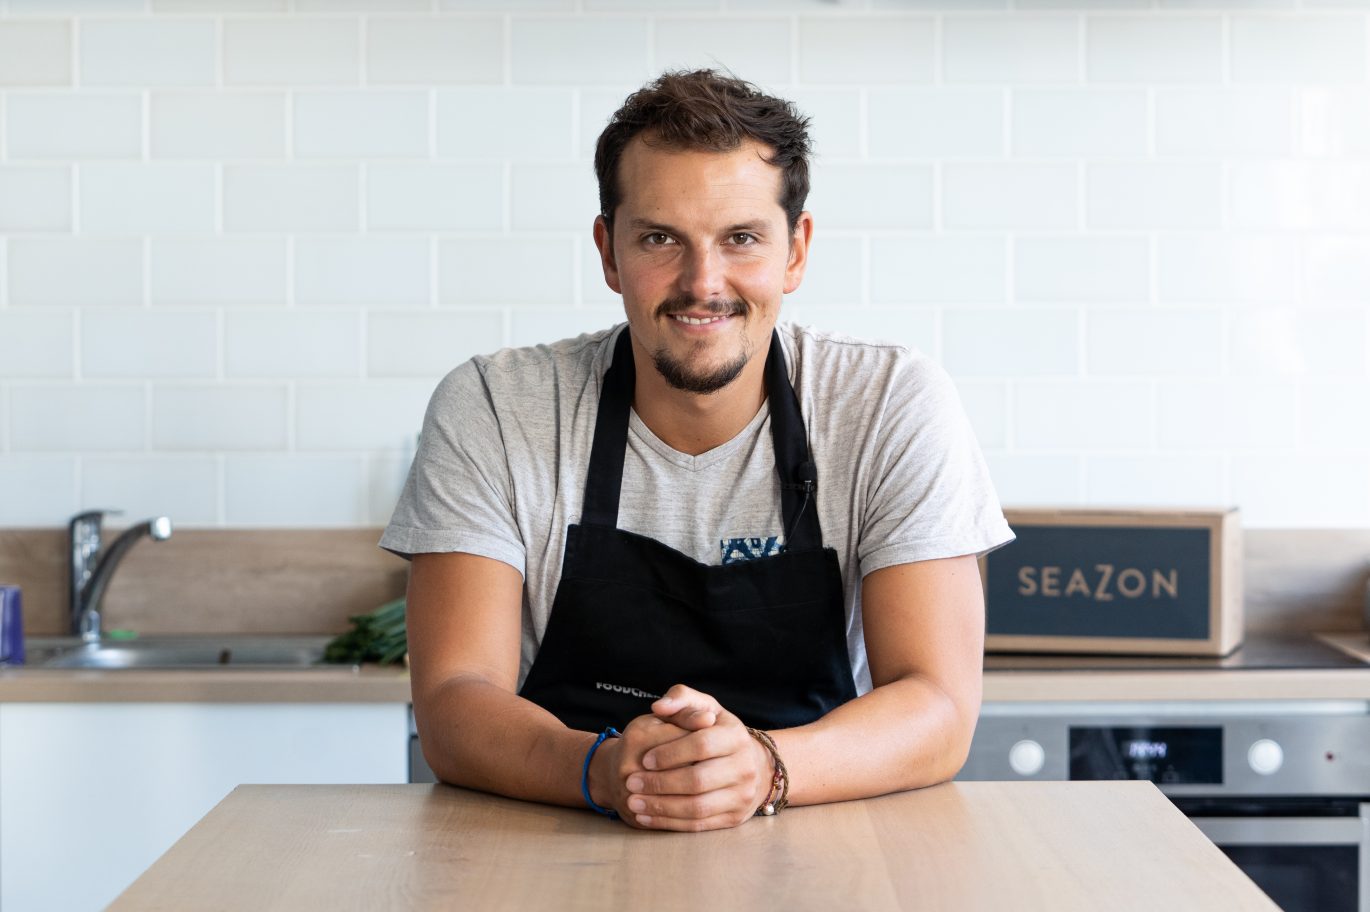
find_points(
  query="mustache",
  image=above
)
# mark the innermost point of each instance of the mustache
(684, 304)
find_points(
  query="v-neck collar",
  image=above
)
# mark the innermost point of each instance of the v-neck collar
(638, 428)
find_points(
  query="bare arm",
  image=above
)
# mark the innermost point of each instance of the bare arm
(464, 633)
(924, 627)
(925, 639)
(463, 618)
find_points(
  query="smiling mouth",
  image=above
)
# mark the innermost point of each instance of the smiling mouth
(698, 321)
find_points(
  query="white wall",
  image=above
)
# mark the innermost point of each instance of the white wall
(242, 240)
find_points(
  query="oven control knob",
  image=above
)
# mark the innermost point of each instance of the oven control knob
(1265, 757)
(1026, 758)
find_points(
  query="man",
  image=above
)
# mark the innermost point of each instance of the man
(701, 525)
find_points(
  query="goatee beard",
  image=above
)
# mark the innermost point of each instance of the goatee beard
(677, 374)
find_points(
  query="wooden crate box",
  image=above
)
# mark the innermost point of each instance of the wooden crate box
(1145, 581)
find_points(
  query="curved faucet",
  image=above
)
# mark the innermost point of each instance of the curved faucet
(91, 569)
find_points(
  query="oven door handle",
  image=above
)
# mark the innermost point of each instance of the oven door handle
(1303, 831)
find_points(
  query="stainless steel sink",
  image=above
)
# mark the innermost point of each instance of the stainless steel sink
(271, 652)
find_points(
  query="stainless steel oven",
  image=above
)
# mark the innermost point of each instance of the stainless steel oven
(1282, 787)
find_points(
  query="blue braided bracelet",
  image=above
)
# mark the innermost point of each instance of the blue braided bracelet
(612, 814)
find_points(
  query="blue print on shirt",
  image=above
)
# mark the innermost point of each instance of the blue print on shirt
(745, 549)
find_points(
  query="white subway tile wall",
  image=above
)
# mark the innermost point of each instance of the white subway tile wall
(1083, 269)
(138, 343)
(435, 197)
(35, 198)
(94, 126)
(74, 271)
(292, 343)
(945, 269)
(35, 53)
(358, 416)
(353, 125)
(218, 271)
(220, 417)
(160, 198)
(284, 198)
(1011, 49)
(421, 51)
(37, 343)
(937, 123)
(363, 271)
(147, 52)
(217, 125)
(1228, 414)
(241, 240)
(1080, 123)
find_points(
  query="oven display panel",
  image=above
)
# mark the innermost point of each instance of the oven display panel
(1166, 756)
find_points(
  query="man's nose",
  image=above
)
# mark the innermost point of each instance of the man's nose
(702, 274)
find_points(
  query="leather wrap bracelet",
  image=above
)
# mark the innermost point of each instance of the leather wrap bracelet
(779, 796)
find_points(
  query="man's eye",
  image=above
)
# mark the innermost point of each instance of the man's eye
(742, 238)
(657, 239)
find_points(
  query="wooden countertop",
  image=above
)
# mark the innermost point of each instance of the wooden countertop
(386, 685)
(341, 684)
(1056, 846)
(374, 684)
(1093, 685)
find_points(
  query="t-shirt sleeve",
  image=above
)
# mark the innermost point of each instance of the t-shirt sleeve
(458, 493)
(930, 494)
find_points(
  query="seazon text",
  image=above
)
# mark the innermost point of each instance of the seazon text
(1101, 586)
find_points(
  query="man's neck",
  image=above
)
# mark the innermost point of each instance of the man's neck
(692, 423)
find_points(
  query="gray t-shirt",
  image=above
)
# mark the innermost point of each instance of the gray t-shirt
(502, 460)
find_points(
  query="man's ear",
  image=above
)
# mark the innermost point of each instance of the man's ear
(604, 240)
(799, 251)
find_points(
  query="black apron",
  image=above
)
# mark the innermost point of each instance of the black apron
(632, 617)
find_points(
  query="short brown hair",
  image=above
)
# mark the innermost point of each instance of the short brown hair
(702, 109)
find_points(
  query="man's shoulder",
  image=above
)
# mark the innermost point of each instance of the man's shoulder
(517, 376)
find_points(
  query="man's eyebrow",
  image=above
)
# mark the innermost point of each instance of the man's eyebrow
(642, 224)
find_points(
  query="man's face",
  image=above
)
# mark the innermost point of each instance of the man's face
(702, 254)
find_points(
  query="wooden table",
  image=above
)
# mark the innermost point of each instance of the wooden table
(1056, 846)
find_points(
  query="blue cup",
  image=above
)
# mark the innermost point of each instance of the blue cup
(11, 626)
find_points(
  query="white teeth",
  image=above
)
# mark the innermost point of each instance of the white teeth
(694, 321)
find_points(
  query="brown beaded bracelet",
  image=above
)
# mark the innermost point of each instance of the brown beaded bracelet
(778, 798)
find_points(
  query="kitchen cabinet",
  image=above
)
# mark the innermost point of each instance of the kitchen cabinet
(92, 793)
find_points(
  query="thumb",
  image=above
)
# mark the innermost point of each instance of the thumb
(687, 709)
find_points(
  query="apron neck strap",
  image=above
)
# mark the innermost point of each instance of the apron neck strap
(797, 474)
(611, 437)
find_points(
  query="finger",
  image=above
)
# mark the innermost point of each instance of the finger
(693, 719)
(681, 695)
(642, 735)
(687, 707)
(688, 825)
(690, 807)
(721, 740)
(695, 779)
(651, 730)
(623, 757)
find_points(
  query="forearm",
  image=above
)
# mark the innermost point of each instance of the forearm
(906, 734)
(481, 736)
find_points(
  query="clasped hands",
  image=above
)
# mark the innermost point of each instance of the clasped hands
(689, 765)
